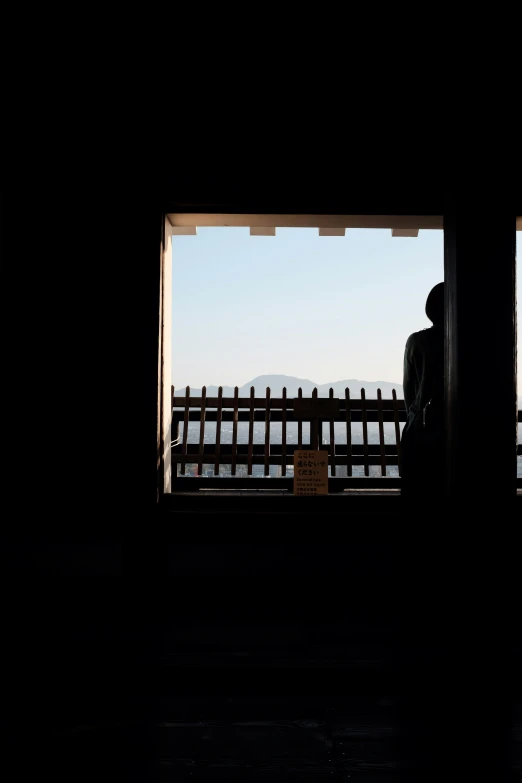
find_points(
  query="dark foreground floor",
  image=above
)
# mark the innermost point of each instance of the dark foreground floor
(263, 648)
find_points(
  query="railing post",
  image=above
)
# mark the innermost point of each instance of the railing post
(316, 428)
(314, 434)
(174, 439)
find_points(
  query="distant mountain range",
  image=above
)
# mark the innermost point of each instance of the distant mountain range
(277, 382)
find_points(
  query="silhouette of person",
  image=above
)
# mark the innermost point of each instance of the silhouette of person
(422, 442)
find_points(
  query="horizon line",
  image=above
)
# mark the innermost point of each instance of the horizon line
(292, 377)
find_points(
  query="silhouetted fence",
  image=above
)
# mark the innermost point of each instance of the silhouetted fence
(209, 414)
(203, 458)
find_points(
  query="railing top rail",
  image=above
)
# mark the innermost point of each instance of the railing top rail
(277, 402)
(346, 402)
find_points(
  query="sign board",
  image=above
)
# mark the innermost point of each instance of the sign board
(310, 472)
(314, 408)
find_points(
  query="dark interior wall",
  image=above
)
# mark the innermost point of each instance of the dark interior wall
(355, 189)
(364, 181)
(92, 611)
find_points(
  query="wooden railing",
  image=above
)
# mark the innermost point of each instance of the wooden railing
(211, 413)
(252, 464)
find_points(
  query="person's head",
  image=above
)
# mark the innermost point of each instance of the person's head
(435, 305)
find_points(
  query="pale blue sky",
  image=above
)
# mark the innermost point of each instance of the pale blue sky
(322, 308)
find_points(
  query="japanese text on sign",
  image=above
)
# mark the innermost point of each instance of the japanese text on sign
(310, 472)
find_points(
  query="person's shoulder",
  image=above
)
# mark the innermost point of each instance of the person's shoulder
(417, 338)
(419, 342)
